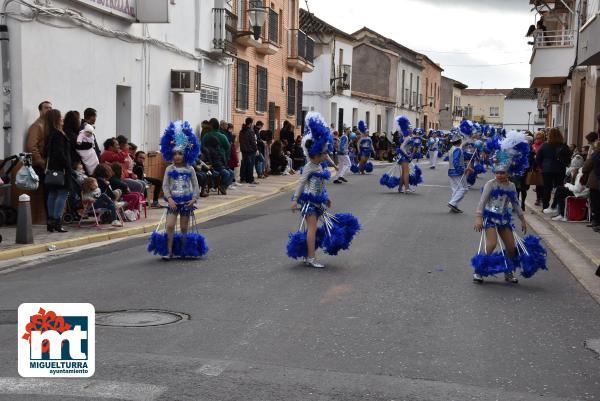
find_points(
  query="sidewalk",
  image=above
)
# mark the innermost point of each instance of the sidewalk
(242, 195)
(583, 238)
(577, 246)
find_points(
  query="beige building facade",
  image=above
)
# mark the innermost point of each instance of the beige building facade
(484, 105)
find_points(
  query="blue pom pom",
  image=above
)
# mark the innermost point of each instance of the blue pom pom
(369, 167)
(416, 177)
(490, 265)
(384, 179)
(479, 169)
(440, 154)
(354, 168)
(194, 246)
(345, 227)
(157, 244)
(446, 158)
(536, 260)
(297, 246)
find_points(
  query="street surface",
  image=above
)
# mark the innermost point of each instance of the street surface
(395, 318)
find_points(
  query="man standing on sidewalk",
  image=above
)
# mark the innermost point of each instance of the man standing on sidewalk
(248, 148)
(343, 159)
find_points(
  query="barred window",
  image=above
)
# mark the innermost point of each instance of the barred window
(242, 87)
(299, 94)
(291, 106)
(261, 89)
(209, 94)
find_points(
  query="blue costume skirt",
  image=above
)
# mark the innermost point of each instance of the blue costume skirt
(365, 153)
(182, 210)
(311, 208)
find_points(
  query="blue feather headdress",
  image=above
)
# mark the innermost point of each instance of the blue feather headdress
(467, 127)
(180, 137)
(510, 153)
(362, 127)
(316, 129)
(403, 124)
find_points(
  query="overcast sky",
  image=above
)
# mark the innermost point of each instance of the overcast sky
(490, 32)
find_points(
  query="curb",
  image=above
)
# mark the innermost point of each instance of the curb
(564, 235)
(124, 233)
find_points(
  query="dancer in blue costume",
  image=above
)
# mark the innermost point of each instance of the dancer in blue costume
(494, 218)
(433, 147)
(179, 145)
(409, 147)
(365, 149)
(311, 197)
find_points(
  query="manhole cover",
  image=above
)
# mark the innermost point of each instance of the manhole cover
(139, 318)
(8, 317)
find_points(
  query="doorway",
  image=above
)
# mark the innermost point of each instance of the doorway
(581, 117)
(340, 120)
(123, 112)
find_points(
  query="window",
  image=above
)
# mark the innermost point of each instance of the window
(242, 85)
(494, 111)
(411, 88)
(418, 94)
(261, 89)
(378, 122)
(209, 94)
(299, 95)
(368, 118)
(291, 103)
(403, 87)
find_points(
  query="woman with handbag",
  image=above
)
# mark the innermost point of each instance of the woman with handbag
(553, 157)
(58, 169)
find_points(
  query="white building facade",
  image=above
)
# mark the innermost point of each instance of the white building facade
(328, 89)
(102, 57)
(521, 110)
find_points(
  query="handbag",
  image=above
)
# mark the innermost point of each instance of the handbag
(54, 178)
(534, 178)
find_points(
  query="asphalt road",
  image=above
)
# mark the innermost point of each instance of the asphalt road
(395, 318)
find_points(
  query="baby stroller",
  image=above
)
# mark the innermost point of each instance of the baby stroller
(8, 214)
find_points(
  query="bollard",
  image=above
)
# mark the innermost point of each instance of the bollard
(24, 230)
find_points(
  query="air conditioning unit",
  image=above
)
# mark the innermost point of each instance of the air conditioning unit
(185, 81)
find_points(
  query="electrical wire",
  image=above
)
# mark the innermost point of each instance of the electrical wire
(41, 14)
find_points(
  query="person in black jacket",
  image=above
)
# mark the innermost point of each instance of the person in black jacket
(553, 158)
(71, 128)
(59, 162)
(217, 163)
(287, 134)
(248, 148)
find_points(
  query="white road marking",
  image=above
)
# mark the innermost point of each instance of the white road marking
(433, 186)
(83, 388)
(214, 368)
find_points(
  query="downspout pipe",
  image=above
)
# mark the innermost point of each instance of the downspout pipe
(6, 89)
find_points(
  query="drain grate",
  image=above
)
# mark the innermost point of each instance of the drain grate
(139, 318)
(8, 316)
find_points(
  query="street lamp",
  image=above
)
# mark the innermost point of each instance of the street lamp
(258, 16)
(528, 119)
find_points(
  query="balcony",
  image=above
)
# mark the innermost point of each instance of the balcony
(345, 75)
(553, 56)
(245, 35)
(225, 29)
(300, 51)
(270, 34)
(589, 45)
